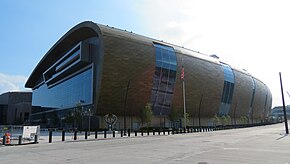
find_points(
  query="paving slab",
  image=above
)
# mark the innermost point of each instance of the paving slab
(265, 144)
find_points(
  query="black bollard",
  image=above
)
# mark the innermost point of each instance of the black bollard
(168, 132)
(35, 139)
(163, 131)
(20, 140)
(50, 137)
(75, 134)
(128, 132)
(153, 132)
(96, 134)
(172, 132)
(4, 140)
(121, 133)
(135, 133)
(147, 132)
(159, 132)
(141, 132)
(113, 133)
(105, 134)
(63, 136)
(86, 134)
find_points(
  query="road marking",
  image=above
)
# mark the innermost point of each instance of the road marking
(231, 148)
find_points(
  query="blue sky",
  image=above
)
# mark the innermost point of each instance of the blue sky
(30, 28)
(253, 35)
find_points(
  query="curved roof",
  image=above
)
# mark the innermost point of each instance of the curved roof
(80, 32)
(89, 29)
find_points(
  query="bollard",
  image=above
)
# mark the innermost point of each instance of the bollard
(50, 137)
(141, 132)
(128, 132)
(163, 131)
(105, 134)
(19, 140)
(75, 134)
(36, 139)
(113, 133)
(159, 132)
(86, 134)
(121, 133)
(148, 132)
(4, 140)
(135, 133)
(63, 136)
(153, 132)
(172, 132)
(96, 134)
(168, 132)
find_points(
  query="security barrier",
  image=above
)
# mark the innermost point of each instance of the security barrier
(7, 139)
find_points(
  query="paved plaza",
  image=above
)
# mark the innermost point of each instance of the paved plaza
(265, 144)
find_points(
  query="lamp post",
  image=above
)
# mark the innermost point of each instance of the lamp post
(125, 104)
(284, 108)
(89, 121)
(160, 119)
(199, 108)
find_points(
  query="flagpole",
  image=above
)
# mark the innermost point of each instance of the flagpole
(184, 108)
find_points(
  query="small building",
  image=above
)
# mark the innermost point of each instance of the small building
(15, 107)
(277, 113)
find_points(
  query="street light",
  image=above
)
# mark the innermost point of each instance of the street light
(89, 121)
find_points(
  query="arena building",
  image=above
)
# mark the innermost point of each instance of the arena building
(105, 70)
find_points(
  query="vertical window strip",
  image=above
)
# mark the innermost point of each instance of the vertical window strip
(167, 68)
(228, 89)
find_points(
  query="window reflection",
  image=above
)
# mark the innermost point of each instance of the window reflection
(64, 95)
(228, 89)
(163, 80)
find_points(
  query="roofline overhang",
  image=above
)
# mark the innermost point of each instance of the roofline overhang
(78, 33)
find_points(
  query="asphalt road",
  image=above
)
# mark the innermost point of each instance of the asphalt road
(266, 144)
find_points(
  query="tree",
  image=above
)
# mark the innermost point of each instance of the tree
(54, 120)
(146, 114)
(174, 115)
(74, 117)
(226, 119)
(244, 119)
(216, 119)
(69, 118)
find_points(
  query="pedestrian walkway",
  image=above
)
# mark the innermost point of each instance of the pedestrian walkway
(264, 144)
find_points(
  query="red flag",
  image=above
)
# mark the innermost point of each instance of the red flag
(182, 73)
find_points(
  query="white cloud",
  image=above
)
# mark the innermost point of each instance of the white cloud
(253, 35)
(12, 83)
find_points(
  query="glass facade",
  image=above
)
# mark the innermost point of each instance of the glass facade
(65, 94)
(228, 89)
(164, 79)
(250, 113)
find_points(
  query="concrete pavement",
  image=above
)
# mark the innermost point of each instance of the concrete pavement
(265, 144)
